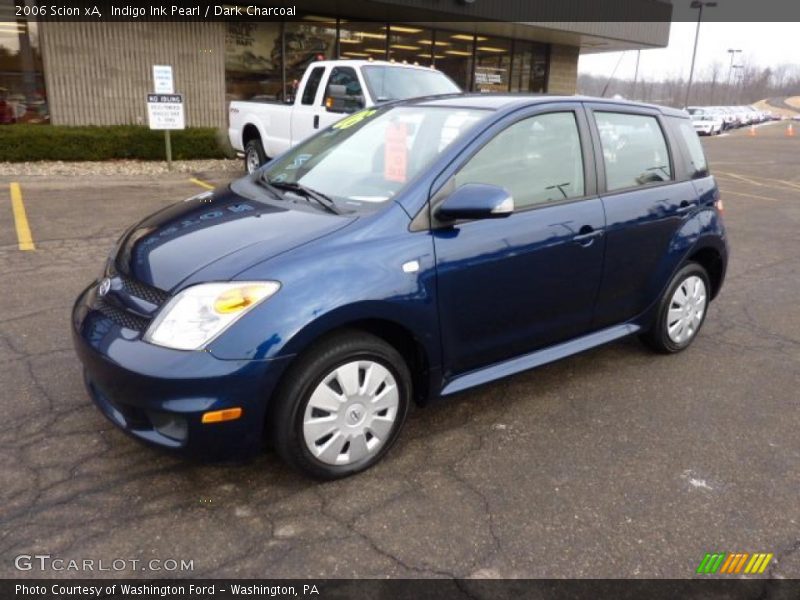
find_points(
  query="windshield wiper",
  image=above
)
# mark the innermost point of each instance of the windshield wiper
(325, 201)
(270, 187)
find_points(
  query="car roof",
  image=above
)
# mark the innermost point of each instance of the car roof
(504, 101)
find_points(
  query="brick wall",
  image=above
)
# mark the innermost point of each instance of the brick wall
(563, 77)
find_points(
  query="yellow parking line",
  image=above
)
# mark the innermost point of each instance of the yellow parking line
(201, 183)
(21, 219)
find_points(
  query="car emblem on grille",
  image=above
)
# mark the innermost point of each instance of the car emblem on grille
(104, 287)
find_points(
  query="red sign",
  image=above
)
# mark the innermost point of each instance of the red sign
(395, 154)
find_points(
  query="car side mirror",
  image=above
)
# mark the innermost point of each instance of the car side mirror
(476, 201)
(338, 100)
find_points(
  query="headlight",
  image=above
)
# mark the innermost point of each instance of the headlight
(200, 313)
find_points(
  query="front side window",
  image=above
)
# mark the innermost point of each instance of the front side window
(634, 150)
(538, 160)
(343, 93)
(368, 157)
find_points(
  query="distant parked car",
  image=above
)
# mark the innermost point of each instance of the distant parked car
(707, 122)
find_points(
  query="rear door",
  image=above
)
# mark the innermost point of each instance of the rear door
(509, 286)
(645, 205)
(307, 111)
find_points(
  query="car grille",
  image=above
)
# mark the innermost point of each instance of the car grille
(122, 317)
(113, 307)
(143, 291)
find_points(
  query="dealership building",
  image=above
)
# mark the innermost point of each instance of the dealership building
(90, 73)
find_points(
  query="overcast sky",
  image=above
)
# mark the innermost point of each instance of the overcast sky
(763, 44)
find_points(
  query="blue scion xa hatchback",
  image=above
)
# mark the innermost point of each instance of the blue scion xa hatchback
(406, 253)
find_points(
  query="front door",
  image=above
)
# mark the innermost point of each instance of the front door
(512, 285)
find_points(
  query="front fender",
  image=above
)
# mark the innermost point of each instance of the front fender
(330, 285)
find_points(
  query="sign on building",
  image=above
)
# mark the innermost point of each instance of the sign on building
(165, 111)
(162, 79)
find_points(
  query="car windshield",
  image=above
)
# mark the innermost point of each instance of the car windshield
(398, 83)
(369, 156)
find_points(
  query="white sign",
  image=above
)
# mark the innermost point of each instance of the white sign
(162, 79)
(165, 111)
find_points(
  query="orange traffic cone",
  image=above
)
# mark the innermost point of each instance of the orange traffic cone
(790, 130)
(752, 131)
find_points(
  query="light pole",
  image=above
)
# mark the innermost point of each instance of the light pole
(738, 81)
(700, 5)
(732, 52)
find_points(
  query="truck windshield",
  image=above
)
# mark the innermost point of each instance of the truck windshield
(369, 156)
(386, 82)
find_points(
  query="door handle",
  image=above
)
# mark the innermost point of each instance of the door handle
(586, 235)
(316, 121)
(686, 206)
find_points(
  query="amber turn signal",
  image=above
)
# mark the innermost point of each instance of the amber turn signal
(218, 416)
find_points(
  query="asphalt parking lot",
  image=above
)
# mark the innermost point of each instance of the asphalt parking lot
(614, 463)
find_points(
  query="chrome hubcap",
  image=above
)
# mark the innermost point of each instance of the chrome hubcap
(351, 413)
(686, 309)
(252, 161)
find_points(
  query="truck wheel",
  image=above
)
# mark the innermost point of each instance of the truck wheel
(254, 155)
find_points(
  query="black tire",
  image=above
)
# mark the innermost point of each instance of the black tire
(254, 151)
(303, 377)
(658, 337)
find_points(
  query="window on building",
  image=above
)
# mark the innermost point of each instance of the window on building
(634, 150)
(409, 44)
(313, 38)
(253, 56)
(529, 67)
(362, 40)
(545, 166)
(492, 64)
(22, 90)
(454, 56)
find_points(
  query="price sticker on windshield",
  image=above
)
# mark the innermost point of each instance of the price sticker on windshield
(395, 153)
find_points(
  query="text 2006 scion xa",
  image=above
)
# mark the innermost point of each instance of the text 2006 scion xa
(406, 253)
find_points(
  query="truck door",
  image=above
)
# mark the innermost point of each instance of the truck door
(307, 110)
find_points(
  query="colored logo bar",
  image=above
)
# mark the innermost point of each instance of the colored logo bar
(732, 563)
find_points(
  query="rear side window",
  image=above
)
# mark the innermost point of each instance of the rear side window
(634, 150)
(537, 159)
(312, 85)
(698, 167)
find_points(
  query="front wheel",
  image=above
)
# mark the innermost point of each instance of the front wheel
(254, 155)
(682, 310)
(342, 406)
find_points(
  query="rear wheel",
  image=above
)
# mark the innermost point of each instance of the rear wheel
(254, 155)
(342, 406)
(682, 310)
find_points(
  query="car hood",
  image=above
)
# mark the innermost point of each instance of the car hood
(222, 227)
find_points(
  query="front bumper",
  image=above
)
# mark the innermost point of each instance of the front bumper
(158, 395)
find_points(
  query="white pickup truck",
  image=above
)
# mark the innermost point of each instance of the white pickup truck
(328, 91)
